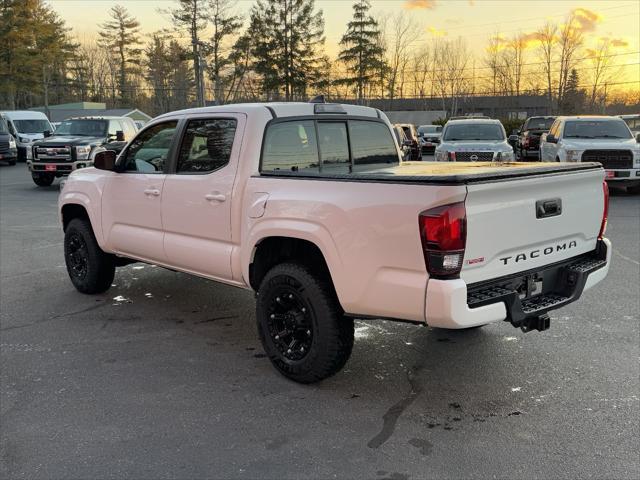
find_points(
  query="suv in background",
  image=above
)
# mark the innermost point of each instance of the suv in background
(528, 144)
(429, 137)
(474, 140)
(633, 121)
(8, 150)
(403, 142)
(412, 135)
(607, 140)
(74, 143)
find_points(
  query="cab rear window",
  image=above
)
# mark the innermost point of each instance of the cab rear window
(316, 147)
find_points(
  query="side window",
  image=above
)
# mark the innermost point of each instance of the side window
(147, 153)
(291, 146)
(334, 147)
(206, 145)
(371, 144)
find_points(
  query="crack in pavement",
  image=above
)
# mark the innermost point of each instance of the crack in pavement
(67, 314)
(390, 418)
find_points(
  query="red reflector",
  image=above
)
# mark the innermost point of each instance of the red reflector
(605, 211)
(443, 231)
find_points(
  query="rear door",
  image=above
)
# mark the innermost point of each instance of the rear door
(521, 224)
(196, 200)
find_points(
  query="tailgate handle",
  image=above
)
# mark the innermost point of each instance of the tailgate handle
(548, 208)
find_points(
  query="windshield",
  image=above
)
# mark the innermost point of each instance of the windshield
(474, 131)
(32, 126)
(597, 129)
(83, 128)
(540, 123)
(429, 129)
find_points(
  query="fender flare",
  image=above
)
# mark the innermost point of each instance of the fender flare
(83, 200)
(297, 229)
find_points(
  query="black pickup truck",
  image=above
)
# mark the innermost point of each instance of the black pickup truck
(8, 150)
(529, 136)
(73, 144)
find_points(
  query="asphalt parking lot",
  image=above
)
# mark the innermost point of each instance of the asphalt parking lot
(164, 377)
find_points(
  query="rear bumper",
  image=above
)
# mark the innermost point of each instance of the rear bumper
(454, 304)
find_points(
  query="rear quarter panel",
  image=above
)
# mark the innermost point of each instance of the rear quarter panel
(367, 232)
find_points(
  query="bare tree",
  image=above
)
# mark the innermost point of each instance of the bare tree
(548, 39)
(225, 25)
(404, 31)
(570, 39)
(602, 70)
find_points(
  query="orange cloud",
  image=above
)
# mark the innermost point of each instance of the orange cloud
(619, 42)
(587, 20)
(435, 32)
(420, 4)
(472, 3)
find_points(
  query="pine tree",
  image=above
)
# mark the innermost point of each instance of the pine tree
(287, 36)
(193, 16)
(361, 49)
(574, 97)
(34, 50)
(120, 36)
(224, 24)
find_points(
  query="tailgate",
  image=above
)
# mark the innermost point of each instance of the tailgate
(505, 235)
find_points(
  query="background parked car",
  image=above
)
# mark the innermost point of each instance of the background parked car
(74, 143)
(412, 134)
(429, 137)
(606, 140)
(633, 121)
(8, 150)
(474, 140)
(403, 142)
(26, 127)
(528, 144)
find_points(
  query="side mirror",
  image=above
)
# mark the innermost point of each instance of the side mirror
(105, 160)
(119, 136)
(551, 139)
(638, 138)
(513, 137)
(407, 143)
(47, 134)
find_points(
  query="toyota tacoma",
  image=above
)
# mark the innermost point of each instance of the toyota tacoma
(310, 206)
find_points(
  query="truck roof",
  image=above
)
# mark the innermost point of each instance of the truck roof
(591, 117)
(280, 109)
(24, 114)
(475, 120)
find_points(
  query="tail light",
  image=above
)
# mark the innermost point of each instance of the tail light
(443, 231)
(605, 211)
(451, 156)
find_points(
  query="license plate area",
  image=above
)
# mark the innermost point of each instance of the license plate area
(530, 286)
(50, 168)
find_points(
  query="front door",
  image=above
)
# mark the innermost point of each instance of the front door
(196, 200)
(131, 203)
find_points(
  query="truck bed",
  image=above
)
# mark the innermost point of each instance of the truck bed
(448, 173)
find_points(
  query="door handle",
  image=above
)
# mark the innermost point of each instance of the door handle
(215, 197)
(152, 191)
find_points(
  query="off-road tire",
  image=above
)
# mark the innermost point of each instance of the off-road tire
(634, 189)
(42, 179)
(331, 332)
(12, 162)
(90, 269)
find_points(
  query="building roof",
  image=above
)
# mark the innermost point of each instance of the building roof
(58, 114)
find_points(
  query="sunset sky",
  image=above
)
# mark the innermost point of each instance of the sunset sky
(474, 20)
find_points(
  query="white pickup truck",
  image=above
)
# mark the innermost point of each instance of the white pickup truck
(607, 140)
(309, 205)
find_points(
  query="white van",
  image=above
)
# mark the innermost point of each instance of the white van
(26, 126)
